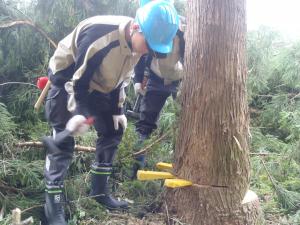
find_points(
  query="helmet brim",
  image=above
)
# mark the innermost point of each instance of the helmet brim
(161, 48)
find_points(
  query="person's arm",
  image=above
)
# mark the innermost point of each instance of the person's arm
(117, 105)
(139, 70)
(180, 35)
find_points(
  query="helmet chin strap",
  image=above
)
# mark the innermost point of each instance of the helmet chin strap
(134, 28)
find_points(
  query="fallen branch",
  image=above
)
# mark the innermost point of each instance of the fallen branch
(79, 148)
(13, 189)
(30, 23)
(39, 144)
(263, 154)
(269, 175)
(144, 150)
(296, 96)
(33, 207)
(8, 83)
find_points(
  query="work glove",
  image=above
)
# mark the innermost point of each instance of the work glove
(120, 119)
(71, 106)
(139, 89)
(78, 125)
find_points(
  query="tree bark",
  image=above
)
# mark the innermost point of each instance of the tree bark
(212, 145)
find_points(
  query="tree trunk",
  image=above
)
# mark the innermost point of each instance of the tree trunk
(212, 146)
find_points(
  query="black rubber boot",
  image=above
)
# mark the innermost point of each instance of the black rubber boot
(138, 165)
(54, 207)
(140, 160)
(99, 187)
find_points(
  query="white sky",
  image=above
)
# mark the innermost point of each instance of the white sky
(282, 15)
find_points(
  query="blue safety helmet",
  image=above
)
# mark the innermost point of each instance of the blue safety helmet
(144, 2)
(158, 21)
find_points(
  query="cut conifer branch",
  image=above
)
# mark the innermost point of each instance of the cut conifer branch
(146, 149)
(39, 144)
(30, 23)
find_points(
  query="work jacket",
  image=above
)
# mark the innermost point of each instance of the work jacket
(95, 56)
(169, 68)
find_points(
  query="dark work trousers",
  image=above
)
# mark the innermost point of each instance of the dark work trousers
(99, 104)
(152, 103)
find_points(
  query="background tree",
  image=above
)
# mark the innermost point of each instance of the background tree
(212, 145)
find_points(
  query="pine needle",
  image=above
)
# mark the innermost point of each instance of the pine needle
(289, 200)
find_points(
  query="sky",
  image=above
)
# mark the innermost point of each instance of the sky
(282, 15)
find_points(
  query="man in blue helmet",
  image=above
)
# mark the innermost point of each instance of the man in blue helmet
(88, 72)
(164, 75)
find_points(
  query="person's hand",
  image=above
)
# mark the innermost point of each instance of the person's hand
(78, 125)
(120, 119)
(139, 89)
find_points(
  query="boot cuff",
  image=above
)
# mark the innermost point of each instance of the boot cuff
(54, 185)
(101, 168)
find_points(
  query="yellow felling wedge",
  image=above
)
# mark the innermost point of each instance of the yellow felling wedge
(153, 175)
(164, 166)
(176, 183)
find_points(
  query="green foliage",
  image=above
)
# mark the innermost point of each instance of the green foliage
(260, 49)
(180, 7)
(21, 185)
(22, 174)
(296, 218)
(7, 220)
(289, 200)
(274, 88)
(21, 101)
(7, 128)
(169, 117)
(81, 206)
(274, 84)
(286, 69)
(124, 160)
(145, 194)
(266, 143)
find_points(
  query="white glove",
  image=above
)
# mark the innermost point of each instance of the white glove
(71, 100)
(120, 119)
(138, 89)
(77, 125)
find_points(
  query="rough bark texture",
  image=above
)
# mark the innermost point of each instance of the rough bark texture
(212, 147)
